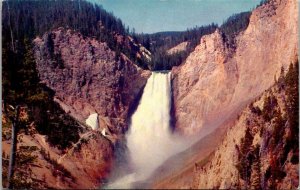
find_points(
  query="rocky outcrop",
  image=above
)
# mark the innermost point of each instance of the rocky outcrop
(87, 77)
(178, 48)
(214, 82)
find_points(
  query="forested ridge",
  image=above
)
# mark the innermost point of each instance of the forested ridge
(159, 43)
(28, 19)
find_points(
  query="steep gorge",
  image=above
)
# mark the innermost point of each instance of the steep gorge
(213, 84)
(221, 80)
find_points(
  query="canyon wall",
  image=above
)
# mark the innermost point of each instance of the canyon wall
(87, 77)
(256, 150)
(216, 81)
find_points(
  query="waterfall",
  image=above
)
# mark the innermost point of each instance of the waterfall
(149, 139)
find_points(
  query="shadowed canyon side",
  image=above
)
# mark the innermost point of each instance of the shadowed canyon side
(221, 80)
(87, 78)
(149, 139)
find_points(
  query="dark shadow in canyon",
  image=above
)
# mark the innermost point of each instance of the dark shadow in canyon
(172, 109)
(121, 165)
(132, 108)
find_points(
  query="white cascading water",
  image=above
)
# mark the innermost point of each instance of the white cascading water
(149, 139)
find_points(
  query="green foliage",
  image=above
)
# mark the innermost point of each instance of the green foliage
(60, 128)
(270, 107)
(233, 26)
(23, 176)
(27, 19)
(159, 43)
(281, 80)
(22, 87)
(245, 157)
(262, 2)
(255, 170)
(37, 17)
(164, 61)
(279, 134)
(278, 130)
(292, 93)
(249, 163)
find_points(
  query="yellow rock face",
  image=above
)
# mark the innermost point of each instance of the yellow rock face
(215, 82)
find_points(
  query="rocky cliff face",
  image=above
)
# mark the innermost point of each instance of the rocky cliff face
(87, 77)
(214, 82)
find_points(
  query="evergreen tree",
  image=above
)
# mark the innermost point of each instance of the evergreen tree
(255, 170)
(292, 93)
(244, 158)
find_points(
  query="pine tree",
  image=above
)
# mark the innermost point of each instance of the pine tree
(293, 96)
(244, 158)
(280, 82)
(255, 170)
